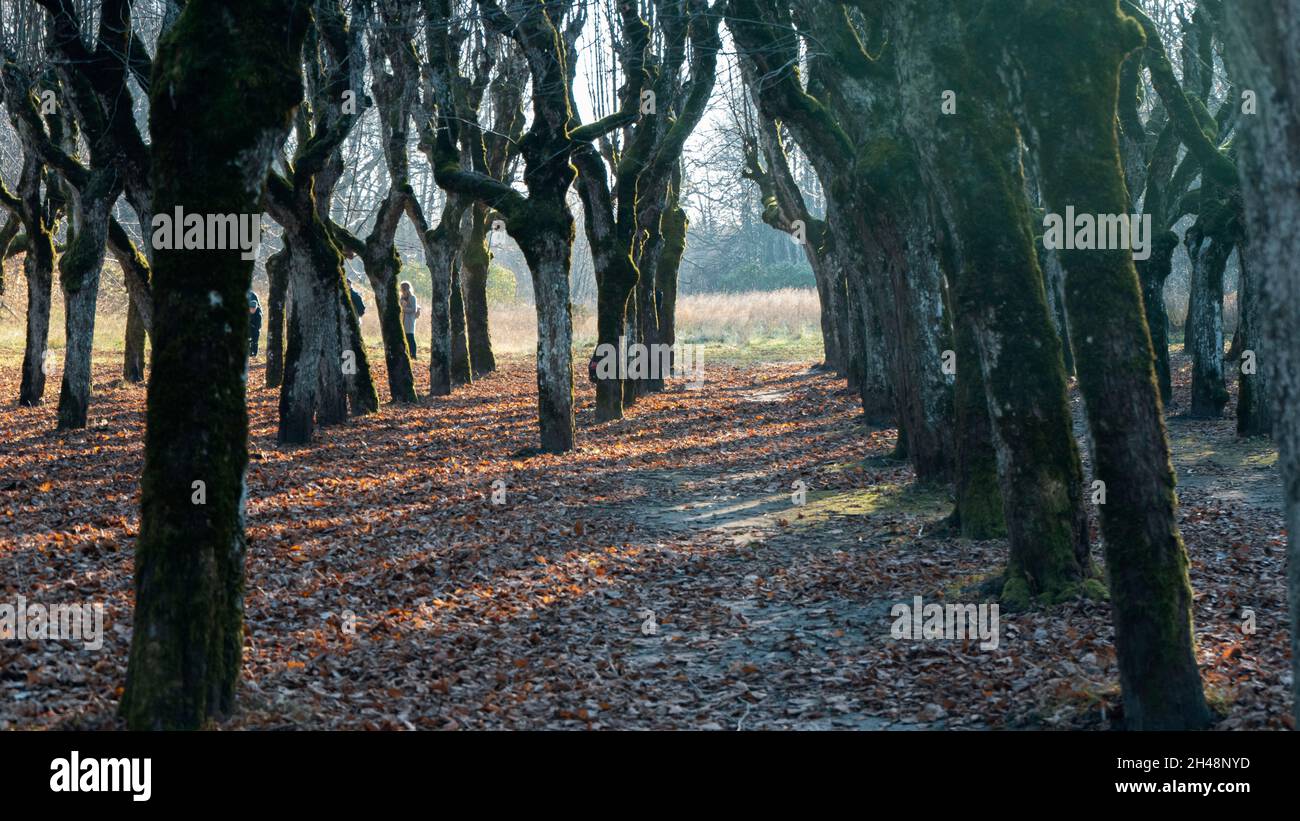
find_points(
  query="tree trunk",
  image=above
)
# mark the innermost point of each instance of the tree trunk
(360, 385)
(476, 264)
(460, 365)
(1209, 256)
(277, 273)
(1071, 96)
(1254, 399)
(616, 278)
(1153, 272)
(382, 268)
(133, 353)
(1263, 38)
(314, 390)
(971, 161)
(39, 268)
(79, 272)
(545, 233)
(1053, 279)
(979, 503)
(647, 311)
(916, 329)
(870, 358)
(211, 156)
(79, 327)
(441, 250)
(675, 225)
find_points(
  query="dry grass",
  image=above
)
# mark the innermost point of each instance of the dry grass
(760, 320)
(733, 320)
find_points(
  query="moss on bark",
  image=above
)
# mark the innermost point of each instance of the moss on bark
(222, 98)
(1071, 53)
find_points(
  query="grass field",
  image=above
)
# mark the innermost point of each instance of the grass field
(745, 328)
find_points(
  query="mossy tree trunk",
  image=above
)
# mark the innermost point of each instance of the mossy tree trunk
(650, 206)
(881, 228)
(326, 367)
(616, 274)
(1053, 284)
(461, 373)
(907, 274)
(1169, 196)
(979, 508)
(894, 225)
(357, 378)
(277, 274)
(610, 218)
(382, 271)
(79, 271)
(547, 242)
(499, 155)
(221, 102)
(1071, 51)
(139, 315)
(476, 263)
(38, 269)
(1204, 338)
(655, 162)
(1254, 398)
(1152, 273)
(456, 99)
(1262, 39)
(314, 391)
(442, 253)
(970, 159)
(38, 266)
(675, 226)
(133, 349)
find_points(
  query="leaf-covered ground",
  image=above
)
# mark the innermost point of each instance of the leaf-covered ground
(385, 589)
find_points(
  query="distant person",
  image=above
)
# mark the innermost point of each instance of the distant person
(358, 304)
(254, 323)
(410, 312)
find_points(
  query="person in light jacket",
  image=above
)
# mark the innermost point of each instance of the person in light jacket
(410, 312)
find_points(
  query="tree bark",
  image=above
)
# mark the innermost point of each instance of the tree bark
(476, 264)
(546, 237)
(1263, 38)
(277, 274)
(1254, 397)
(382, 266)
(211, 155)
(979, 505)
(38, 266)
(1204, 340)
(971, 161)
(441, 252)
(79, 272)
(460, 365)
(1074, 126)
(313, 391)
(133, 352)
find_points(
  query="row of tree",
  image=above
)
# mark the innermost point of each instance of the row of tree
(942, 134)
(939, 133)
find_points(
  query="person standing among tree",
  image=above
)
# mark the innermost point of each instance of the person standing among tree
(410, 312)
(254, 323)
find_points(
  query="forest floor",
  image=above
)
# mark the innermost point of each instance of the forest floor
(662, 576)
